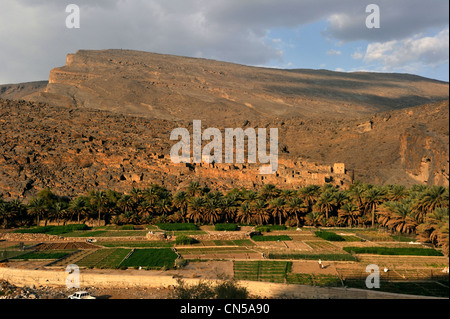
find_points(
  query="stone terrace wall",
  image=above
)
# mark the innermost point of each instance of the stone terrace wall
(23, 278)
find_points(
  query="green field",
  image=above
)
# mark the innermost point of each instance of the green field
(271, 271)
(329, 236)
(151, 258)
(313, 280)
(136, 244)
(226, 227)
(177, 226)
(107, 233)
(53, 230)
(104, 258)
(437, 288)
(326, 257)
(269, 228)
(271, 238)
(42, 255)
(393, 251)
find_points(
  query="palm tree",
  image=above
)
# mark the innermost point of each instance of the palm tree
(435, 229)
(349, 214)
(339, 199)
(269, 192)
(372, 198)
(59, 210)
(357, 193)
(196, 209)
(212, 214)
(99, 200)
(6, 215)
(396, 193)
(399, 217)
(78, 207)
(181, 201)
(310, 194)
(194, 189)
(314, 219)
(296, 205)
(260, 214)
(325, 203)
(37, 208)
(245, 215)
(432, 198)
(277, 207)
(228, 206)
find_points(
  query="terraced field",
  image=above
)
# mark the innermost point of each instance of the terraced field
(271, 271)
(104, 258)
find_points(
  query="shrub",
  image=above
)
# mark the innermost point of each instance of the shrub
(180, 263)
(228, 289)
(127, 227)
(185, 240)
(226, 227)
(329, 236)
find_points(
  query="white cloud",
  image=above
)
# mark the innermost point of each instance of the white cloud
(410, 54)
(334, 52)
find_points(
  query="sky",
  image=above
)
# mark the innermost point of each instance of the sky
(413, 35)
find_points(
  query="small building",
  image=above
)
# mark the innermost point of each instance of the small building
(339, 168)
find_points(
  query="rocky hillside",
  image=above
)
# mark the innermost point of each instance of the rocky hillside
(74, 151)
(104, 120)
(179, 88)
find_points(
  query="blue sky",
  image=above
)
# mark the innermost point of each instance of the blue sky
(331, 54)
(312, 34)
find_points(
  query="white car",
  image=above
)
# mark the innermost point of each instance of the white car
(81, 295)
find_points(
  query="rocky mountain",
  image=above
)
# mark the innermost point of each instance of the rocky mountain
(104, 121)
(180, 88)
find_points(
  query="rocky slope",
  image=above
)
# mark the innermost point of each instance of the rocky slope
(179, 88)
(104, 121)
(76, 150)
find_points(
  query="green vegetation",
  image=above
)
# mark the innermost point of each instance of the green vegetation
(271, 271)
(325, 257)
(329, 236)
(393, 251)
(226, 227)
(53, 230)
(228, 289)
(178, 226)
(127, 227)
(271, 238)
(313, 280)
(269, 228)
(437, 288)
(151, 259)
(419, 211)
(42, 255)
(135, 244)
(185, 240)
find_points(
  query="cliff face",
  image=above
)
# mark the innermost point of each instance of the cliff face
(179, 88)
(425, 157)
